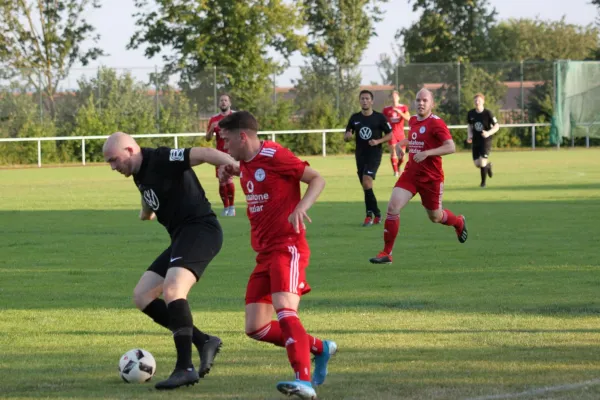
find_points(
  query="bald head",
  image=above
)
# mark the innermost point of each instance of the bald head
(425, 92)
(424, 103)
(119, 140)
(122, 152)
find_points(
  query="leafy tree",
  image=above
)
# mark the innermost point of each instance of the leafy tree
(41, 40)
(327, 92)
(112, 102)
(220, 42)
(473, 80)
(448, 30)
(20, 117)
(535, 39)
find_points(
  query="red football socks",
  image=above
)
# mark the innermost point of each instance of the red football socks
(296, 342)
(223, 192)
(450, 219)
(390, 231)
(271, 333)
(395, 164)
(231, 193)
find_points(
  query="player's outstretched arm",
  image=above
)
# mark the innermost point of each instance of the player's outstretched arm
(469, 133)
(316, 184)
(199, 155)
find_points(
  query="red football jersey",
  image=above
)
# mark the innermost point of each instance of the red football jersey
(271, 183)
(395, 119)
(427, 134)
(220, 141)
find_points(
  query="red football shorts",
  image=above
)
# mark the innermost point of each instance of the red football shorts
(431, 192)
(282, 270)
(396, 137)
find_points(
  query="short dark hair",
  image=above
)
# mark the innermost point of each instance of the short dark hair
(225, 94)
(365, 91)
(239, 120)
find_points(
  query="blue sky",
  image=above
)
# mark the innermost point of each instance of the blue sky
(115, 24)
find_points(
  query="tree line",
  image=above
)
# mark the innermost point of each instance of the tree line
(218, 46)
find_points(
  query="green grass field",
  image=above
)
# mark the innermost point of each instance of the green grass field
(514, 310)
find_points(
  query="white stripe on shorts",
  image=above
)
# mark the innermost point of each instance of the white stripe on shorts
(294, 269)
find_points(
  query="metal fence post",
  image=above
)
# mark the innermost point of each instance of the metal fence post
(587, 137)
(39, 153)
(156, 98)
(274, 88)
(522, 96)
(324, 144)
(533, 137)
(458, 87)
(100, 81)
(41, 96)
(215, 88)
(338, 78)
(175, 142)
(273, 137)
(83, 151)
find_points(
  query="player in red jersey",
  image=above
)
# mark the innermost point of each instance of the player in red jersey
(226, 186)
(396, 114)
(270, 176)
(429, 139)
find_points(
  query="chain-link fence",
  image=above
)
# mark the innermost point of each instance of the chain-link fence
(102, 100)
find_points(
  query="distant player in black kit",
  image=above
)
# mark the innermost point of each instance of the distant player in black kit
(172, 193)
(371, 129)
(482, 125)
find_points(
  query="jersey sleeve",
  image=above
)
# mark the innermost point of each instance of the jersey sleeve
(350, 126)
(493, 119)
(441, 131)
(172, 161)
(385, 125)
(285, 163)
(385, 113)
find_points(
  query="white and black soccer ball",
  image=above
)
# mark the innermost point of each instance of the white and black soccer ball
(137, 366)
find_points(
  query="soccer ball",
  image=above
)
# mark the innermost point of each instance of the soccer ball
(137, 366)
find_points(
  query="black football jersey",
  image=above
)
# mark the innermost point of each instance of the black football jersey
(365, 128)
(483, 121)
(170, 187)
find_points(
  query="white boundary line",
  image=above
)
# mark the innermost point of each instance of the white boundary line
(542, 390)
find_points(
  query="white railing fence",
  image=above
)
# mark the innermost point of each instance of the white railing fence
(272, 134)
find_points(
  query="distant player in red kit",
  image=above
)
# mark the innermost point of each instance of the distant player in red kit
(396, 114)
(226, 186)
(270, 176)
(429, 139)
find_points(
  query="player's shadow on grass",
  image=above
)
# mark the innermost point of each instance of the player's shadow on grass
(535, 257)
(561, 187)
(357, 372)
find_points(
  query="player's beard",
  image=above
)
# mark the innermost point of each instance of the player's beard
(225, 109)
(423, 112)
(127, 168)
